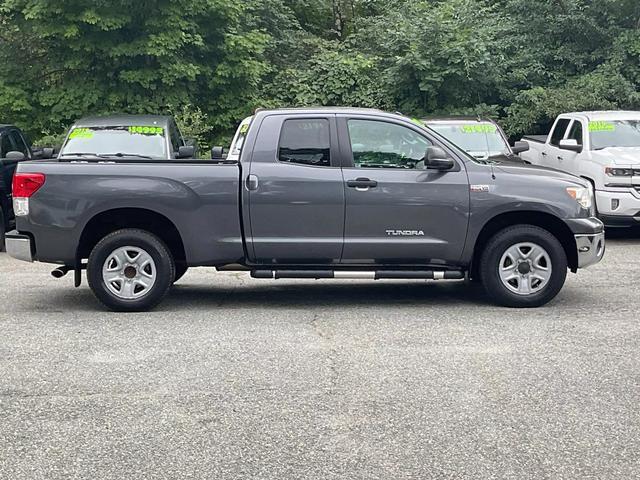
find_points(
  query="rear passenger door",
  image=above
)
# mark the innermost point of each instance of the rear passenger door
(398, 212)
(295, 191)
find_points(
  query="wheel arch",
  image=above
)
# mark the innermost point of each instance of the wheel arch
(112, 220)
(547, 221)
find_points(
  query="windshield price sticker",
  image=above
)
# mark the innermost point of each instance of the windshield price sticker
(601, 127)
(479, 129)
(147, 130)
(81, 133)
(244, 128)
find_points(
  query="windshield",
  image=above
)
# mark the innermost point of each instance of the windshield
(138, 141)
(482, 140)
(617, 133)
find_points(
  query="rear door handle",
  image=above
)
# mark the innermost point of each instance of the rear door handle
(362, 183)
(252, 182)
(544, 154)
(560, 158)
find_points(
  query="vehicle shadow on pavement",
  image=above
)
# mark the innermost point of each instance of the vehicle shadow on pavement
(320, 295)
(623, 235)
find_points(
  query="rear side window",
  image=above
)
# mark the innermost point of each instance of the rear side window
(305, 142)
(559, 131)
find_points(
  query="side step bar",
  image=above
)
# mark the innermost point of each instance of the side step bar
(362, 275)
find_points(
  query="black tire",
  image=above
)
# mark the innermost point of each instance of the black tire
(164, 265)
(181, 270)
(490, 264)
(2, 230)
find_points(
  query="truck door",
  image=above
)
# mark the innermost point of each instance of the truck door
(551, 156)
(397, 212)
(295, 191)
(568, 160)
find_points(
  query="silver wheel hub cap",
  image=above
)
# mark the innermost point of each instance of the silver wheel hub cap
(525, 268)
(129, 273)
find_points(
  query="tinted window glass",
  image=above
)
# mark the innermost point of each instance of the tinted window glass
(19, 143)
(306, 142)
(5, 145)
(176, 138)
(559, 131)
(576, 132)
(385, 145)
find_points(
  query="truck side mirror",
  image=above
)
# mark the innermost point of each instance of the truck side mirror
(570, 145)
(520, 147)
(44, 153)
(186, 151)
(15, 156)
(217, 153)
(437, 159)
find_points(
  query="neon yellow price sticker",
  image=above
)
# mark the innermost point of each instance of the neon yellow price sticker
(81, 133)
(479, 129)
(601, 126)
(147, 130)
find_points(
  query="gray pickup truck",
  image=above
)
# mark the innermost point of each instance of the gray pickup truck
(319, 194)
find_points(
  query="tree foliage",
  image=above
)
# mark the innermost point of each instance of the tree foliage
(214, 61)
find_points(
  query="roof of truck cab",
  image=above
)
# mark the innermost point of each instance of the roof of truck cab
(325, 110)
(606, 115)
(123, 120)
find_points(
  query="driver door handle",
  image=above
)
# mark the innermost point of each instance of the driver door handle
(362, 183)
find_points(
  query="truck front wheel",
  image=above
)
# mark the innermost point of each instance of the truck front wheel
(523, 266)
(130, 270)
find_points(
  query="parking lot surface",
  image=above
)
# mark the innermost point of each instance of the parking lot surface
(238, 378)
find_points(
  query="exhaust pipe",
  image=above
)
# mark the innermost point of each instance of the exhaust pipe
(60, 272)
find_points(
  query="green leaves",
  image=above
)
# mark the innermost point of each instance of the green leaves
(215, 61)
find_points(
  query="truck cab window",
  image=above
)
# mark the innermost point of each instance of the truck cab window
(576, 132)
(559, 131)
(176, 138)
(5, 145)
(19, 143)
(378, 144)
(305, 142)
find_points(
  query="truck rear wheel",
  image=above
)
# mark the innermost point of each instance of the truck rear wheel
(130, 270)
(523, 266)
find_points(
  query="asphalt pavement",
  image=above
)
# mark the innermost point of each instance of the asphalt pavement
(234, 378)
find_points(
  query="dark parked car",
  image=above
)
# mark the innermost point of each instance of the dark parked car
(317, 193)
(14, 148)
(127, 136)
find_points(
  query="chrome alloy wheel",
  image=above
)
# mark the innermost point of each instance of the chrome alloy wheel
(129, 273)
(525, 268)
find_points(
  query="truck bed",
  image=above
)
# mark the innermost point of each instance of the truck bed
(199, 197)
(536, 138)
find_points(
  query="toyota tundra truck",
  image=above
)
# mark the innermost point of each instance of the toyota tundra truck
(326, 193)
(604, 149)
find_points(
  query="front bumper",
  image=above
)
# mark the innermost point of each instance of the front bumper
(591, 248)
(19, 246)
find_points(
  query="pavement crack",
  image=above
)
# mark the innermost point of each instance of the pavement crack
(332, 352)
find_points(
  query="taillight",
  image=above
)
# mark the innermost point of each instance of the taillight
(26, 184)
